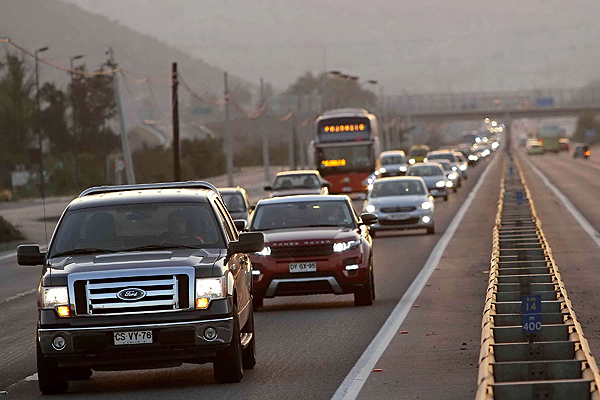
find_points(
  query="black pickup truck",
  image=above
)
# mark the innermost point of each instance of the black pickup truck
(144, 276)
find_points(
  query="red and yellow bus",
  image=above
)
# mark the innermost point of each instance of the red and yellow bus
(346, 148)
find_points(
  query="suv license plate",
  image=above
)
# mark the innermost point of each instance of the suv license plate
(303, 267)
(133, 337)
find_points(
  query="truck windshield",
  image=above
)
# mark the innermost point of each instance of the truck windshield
(346, 158)
(129, 227)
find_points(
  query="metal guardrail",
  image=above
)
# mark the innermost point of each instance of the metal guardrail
(554, 363)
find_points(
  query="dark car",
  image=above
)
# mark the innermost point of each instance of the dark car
(237, 202)
(144, 276)
(313, 244)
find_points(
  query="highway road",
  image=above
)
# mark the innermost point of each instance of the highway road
(306, 345)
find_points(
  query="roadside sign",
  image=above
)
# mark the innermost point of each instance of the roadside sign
(532, 313)
(520, 196)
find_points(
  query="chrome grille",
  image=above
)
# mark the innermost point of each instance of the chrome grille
(97, 295)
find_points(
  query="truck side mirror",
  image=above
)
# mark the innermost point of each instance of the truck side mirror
(29, 254)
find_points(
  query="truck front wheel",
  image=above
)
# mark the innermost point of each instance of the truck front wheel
(51, 379)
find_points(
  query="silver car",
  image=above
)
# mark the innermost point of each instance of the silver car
(290, 183)
(434, 176)
(450, 173)
(237, 202)
(447, 155)
(401, 203)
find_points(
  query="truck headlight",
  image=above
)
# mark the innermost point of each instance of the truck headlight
(55, 296)
(343, 246)
(370, 208)
(426, 205)
(208, 289)
(266, 251)
(440, 184)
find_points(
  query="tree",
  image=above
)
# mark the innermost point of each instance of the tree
(17, 113)
(53, 120)
(337, 92)
(586, 122)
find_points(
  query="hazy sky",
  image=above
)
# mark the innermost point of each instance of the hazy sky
(417, 45)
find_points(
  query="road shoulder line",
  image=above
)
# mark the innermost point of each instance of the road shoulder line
(590, 230)
(356, 378)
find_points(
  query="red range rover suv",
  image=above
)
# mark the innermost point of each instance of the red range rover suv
(313, 245)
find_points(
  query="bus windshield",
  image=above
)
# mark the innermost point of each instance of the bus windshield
(346, 157)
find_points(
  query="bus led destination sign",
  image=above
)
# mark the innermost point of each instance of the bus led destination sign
(333, 163)
(344, 128)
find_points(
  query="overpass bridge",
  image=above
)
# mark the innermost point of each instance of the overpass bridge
(437, 107)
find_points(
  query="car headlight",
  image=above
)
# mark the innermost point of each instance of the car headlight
(55, 296)
(440, 184)
(425, 159)
(343, 246)
(370, 208)
(411, 161)
(454, 168)
(382, 170)
(426, 205)
(452, 176)
(403, 168)
(449, 184)
(208, 289)
(266, 251)
(463, 167)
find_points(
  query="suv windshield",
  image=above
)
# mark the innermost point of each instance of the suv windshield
(234, 201)
(300, 214)
(305, 181)
(393, 160)
(425, 170)
(129, 227)
(397, 188)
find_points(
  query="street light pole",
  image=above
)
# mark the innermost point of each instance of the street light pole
(74, 115)
(37, 119)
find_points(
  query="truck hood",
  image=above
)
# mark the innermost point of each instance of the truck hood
(60, 267)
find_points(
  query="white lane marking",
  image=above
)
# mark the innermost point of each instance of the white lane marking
(356, 378)
(18, 296)
(9, 255)
(30, 378)
(567, 203)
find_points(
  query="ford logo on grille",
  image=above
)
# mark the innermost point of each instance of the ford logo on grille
(131, 294)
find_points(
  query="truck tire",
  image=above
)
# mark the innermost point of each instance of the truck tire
(249, 352)
(227, 366)
(51, 379)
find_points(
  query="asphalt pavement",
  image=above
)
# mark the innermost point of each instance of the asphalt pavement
(306, 345)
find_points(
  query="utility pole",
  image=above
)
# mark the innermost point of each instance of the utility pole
(228, 138)
(74, 115)
(175, 103)
(124, 139)
(265, 136)
(292, 144)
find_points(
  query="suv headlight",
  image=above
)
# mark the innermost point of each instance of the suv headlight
(266, 251)
(56, 298)
(440, 184)
(426, 205)
(208, 289)
(343, 246)
(370, 208)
